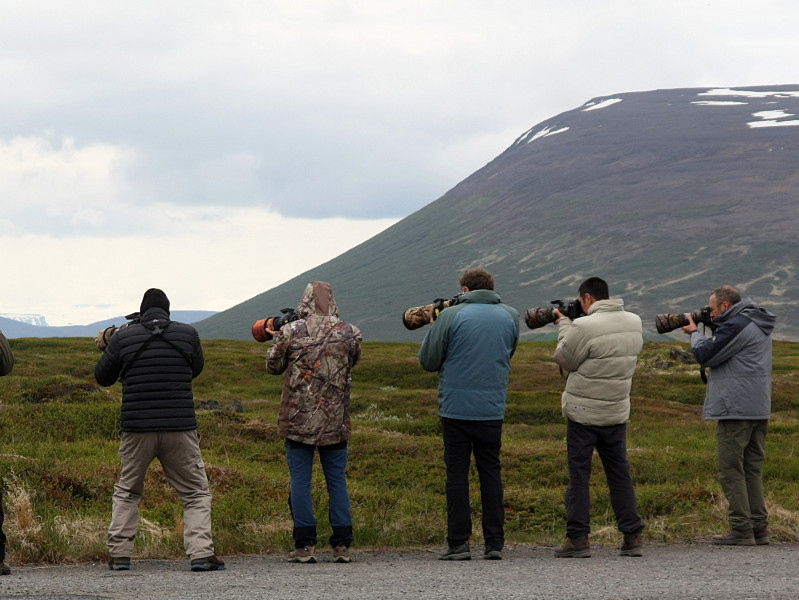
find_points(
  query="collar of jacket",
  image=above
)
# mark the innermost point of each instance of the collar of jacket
(153, 314)
(610, 305)
(480, 297)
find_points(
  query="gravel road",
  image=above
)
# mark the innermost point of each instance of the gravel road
(681, 572)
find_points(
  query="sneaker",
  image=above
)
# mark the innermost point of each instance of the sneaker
(341, 554)
(460, 552)
(492, 553)
(4, 568)
(119, 563)
(735, 537)
(761, 536)
(574, 548)
(209, 563)
(631, 545)
(302, 555)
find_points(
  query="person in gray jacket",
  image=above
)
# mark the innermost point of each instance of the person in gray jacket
(600, 351)
(738, 396)
(470, 345)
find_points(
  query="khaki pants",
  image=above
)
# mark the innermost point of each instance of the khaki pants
(179, 454)
(741, 448)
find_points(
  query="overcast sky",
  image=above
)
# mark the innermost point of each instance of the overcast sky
(216, 149)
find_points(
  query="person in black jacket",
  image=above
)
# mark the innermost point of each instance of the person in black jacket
(156, 360)
(6, 364)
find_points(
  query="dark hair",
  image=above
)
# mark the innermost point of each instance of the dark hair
(727, 293)
(594, 286)
(477, 279)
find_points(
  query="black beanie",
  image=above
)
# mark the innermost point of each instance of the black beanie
(154, 298)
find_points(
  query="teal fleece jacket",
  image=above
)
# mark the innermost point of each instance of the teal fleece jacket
(470, 345)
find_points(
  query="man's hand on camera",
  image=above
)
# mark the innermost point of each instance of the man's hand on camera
(691, 327)
(555, 311)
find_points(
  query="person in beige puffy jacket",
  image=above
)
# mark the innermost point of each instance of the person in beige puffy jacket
(600, 351)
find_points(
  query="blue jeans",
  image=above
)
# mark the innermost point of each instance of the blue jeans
(334, 463)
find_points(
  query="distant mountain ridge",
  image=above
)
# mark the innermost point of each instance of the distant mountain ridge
(666, 194)
(16, 329)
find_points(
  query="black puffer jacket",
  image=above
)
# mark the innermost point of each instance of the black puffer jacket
(156, 384)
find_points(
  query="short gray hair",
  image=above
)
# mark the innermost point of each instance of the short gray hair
(727, 293)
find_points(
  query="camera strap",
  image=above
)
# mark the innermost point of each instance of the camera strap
(702, 371)
(153, 334)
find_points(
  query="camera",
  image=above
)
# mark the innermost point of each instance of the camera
(419, 316)
(538, 317)
(259, 328)
(669, 322)
(102, 337)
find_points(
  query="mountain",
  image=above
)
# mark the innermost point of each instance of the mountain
(666, 194)
(12, 328)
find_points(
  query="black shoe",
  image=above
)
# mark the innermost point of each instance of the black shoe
(4, 568)
(209, 563)
(119, 563)
(461, 552)
(492, 553)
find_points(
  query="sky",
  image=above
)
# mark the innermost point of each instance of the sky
(216, 149)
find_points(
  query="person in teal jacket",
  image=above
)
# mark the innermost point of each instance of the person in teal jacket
(470, 345)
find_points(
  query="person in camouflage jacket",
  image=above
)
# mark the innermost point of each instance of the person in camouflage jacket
(318, 352)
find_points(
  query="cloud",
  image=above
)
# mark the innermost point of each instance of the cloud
(160, 124)
(49, 185)
(205, 259)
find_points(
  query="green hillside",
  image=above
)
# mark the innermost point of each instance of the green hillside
(59, 457)
(666, 194)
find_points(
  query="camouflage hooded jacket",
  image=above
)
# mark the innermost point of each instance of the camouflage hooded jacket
(319, 351)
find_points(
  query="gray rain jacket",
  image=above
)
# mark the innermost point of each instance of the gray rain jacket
(739, 358)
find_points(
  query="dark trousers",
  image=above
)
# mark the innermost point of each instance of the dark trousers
(742, 451)
(484, 440)
(2, 535)
(611, 444)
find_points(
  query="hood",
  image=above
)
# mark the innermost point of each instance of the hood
(759, 316)
(317, 300)
(152, 317)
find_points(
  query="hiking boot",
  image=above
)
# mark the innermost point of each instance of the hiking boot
(574, 548)
(761, 536)
(119, 563)
(734, 537)
(492, 553)
(631, 545)
(209, 563)
(302, 555)
(341, 554)
(4, 568)
(461, 552)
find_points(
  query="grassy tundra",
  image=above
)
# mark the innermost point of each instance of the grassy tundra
(58, 454)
